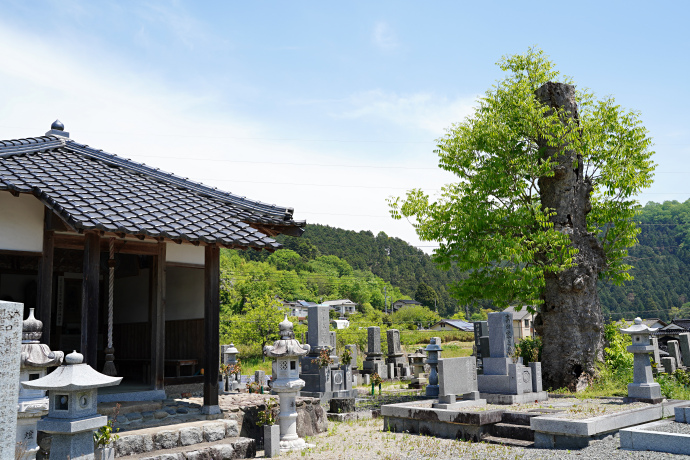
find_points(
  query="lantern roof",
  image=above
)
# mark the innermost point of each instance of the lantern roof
(638, 328)
(73, 376)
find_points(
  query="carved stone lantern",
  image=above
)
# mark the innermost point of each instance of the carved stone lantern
(417, 362)
(643, 388)
(72, 411)
(433, 351)
(35, 360)
(287, 352)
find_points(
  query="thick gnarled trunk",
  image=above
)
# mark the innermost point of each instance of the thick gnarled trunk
(570, 322)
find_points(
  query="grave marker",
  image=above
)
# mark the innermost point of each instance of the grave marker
(11, 316)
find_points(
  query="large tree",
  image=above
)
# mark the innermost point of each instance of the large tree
(543, 208)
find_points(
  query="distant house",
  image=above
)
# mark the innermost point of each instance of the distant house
(671, 331)
(523, 323)
(298, 308)
(397, 305)
(452, 325)
(340, 323)
(342, 306)
(654, 323)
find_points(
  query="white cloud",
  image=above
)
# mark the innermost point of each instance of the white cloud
(384, 37)
(106, 103)
(425, 111)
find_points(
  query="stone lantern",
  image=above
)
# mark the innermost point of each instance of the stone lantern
(72, 411)
(230, 353)
(433, 351)
(35, 360)
(643, 388)
(417, 362)
(287, 352)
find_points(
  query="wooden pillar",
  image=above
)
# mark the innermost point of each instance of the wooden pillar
(44, 297)
(211, 328)
(157, 318)
(89, 298)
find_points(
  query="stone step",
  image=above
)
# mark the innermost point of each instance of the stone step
(507, 441)
(159, 438)
(509, 430)
(518, 418)
(226, 449)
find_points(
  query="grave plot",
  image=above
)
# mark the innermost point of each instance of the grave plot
(670, 436)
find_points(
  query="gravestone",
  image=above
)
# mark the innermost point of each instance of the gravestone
(457, 379)
(669, 364)
(674, 352)
(374, 364)
(322, 382)
(396, 356)
(353, 363)
(655, 354)
(481, 342)
(501, 345)
(11, 316)
(684, 344)
(505, 380)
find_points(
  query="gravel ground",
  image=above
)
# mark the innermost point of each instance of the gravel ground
(365, 440)
(673, 427)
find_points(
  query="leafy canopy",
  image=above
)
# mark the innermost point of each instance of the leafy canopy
(491, 222)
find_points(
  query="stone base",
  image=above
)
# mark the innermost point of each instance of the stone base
(295, 444)
(647, 437)
(350, 416)
(432, 390)
(514, 399)
(76, 446)
(328, 395)
(645, 391)
(148, 395)
(460, 404)
(629, 400)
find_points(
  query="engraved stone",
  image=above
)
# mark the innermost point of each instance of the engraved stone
(11, 316)
(501, 334)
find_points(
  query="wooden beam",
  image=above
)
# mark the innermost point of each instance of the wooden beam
(211, 325)
(44, 298)
(121, 246)
(89, 298)
(157, 318)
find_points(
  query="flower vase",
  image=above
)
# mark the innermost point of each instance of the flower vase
(271, 440)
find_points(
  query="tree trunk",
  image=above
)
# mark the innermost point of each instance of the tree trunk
(570, 321)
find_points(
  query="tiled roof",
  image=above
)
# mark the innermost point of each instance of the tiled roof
(90, 189)
(459, 324)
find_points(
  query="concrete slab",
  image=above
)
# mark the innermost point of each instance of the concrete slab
(523, 398)
(642, 437)
(561, 433)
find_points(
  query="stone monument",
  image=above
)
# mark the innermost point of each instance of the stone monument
(11, 315)
(668, 364)
(481, 330)
(229, 354)
(643, 388)
(674, 352)
(457, 379)
(353, 363)
(324, 382)
(433, 352)
(656, 355)
(396, 356)
(36, 358)
(374, 361)
(72, 412)
(505, 379)
(287, 351)
(684, 344)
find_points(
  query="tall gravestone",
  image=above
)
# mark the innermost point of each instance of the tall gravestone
(374, 363)
(11, 317)
(684, 344)
(481, 341)
(674, 352)
(506, 380)
(329, 381)
(395, 358)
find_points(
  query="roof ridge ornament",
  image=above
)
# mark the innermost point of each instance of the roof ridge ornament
(57, 129)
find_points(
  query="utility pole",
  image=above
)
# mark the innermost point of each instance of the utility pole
(435, 306)
(385, 299)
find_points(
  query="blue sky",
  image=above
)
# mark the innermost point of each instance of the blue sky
(326, 107)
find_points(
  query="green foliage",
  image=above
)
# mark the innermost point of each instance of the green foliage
(617, 357)
(661, 260)
(346, 357)
(258, 325)
(491, 223)
(675, 386)
(324, 359)
(459, 315)
(426, 295)
(413, 316)
(268, 416)
(529, 349)
(105, 435)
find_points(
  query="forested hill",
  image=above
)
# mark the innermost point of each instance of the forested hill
(661, 261)
(391, 259)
